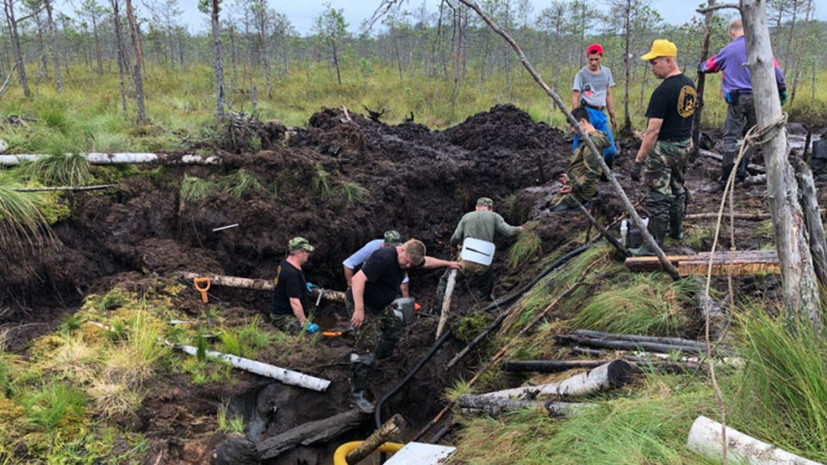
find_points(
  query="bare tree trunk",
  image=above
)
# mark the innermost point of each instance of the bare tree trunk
(627, 125)
(800, 55)
(218, 66)
(121, 51)
(790, 36)
(98, 54)
(139, 60)
(18, 53)
(336, 63)
(53, 41)
(699, 88)
(809, 202)
(798, 279)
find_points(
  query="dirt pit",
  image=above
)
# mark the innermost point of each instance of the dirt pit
(416, 181)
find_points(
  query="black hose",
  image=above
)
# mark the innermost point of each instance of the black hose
(378, 412)
(557, 264)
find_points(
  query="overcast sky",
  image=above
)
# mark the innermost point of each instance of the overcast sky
(303, 12)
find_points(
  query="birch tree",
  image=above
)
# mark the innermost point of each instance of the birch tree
(8, 7)
(213, 8)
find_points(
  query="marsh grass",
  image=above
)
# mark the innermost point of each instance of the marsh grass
(781, 394)
(322, 183)
(353, 193)
(59, 169)
(235, 423)
(21, 217)
(648, 428)
(242, 182)
(197, 190)
(527, 247)
(645, 304)
(53, 404)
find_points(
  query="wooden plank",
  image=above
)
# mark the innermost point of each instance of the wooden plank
(747, 262)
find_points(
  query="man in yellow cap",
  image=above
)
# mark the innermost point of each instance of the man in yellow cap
(666, 144)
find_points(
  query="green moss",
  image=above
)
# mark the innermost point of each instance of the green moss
(469, 327)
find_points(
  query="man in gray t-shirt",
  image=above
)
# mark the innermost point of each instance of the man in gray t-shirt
(593, 90)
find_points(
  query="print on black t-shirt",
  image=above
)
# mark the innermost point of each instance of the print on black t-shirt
(674, 101)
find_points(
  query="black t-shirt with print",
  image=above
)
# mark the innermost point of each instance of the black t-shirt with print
(290, 283)
(384, 277)
(674, 101)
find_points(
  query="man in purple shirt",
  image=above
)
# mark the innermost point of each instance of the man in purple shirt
(736, 86)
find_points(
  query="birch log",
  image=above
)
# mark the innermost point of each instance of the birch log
(290, 377)
(495, 406)
(626, 345)
(446, 302)
(254, 284)
(638, 338)
(705, 438)
(799, 284)
(387, 432)
(611, 375)
(101, 158)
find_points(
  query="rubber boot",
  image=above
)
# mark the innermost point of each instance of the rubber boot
(357, 399)
(676, 212)
(658, 231)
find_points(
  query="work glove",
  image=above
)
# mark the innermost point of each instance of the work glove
(701, 68)
(311, 327)
(636, 171)
(311, 286)
(783, 96)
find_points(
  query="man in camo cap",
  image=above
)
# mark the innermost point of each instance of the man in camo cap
(390, 238)
(287, 310)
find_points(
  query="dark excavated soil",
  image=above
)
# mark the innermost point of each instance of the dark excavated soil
(420, 182)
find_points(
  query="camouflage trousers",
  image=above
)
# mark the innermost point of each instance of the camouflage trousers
(286, 323)
(383, 330)
(665, 173)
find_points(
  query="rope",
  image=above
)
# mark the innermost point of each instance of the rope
(754, 137)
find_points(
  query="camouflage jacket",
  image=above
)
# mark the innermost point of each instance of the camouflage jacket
(584, 168)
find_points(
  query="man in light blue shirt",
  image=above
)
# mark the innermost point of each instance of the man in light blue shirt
(390, 238)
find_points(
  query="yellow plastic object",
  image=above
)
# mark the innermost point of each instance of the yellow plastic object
(344, 449)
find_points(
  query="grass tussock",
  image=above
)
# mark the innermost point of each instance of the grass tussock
(781, 395)
(352, 192)
(59, 169)
(21, 217)
(645, 304)
(527, 247)
(197, 190)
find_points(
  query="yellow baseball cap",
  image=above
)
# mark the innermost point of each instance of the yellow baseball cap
(661, 48)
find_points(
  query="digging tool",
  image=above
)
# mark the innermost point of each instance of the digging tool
(197, 282)
(338, 333)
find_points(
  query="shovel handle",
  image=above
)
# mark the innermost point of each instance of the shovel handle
(202, 289)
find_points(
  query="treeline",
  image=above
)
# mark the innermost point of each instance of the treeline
(256, 45)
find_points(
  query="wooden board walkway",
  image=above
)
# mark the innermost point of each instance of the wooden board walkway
(739, 262)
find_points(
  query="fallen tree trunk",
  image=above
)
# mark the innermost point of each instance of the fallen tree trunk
(556, 366)
(100, 158)
(309, 433)
(254, 284)
(387, 432)
(495, 406)
(705, 438)
(738, 262)
(290, 377)
(626, 345)
(610, 375)
(638, 338)
(66, 188)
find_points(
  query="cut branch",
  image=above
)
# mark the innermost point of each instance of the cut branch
(607, 376)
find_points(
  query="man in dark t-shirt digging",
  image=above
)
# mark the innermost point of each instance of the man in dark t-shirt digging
(288, 307)
(373, 289)
(666, 144)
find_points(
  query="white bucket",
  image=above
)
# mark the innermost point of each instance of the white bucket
(478, 251)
